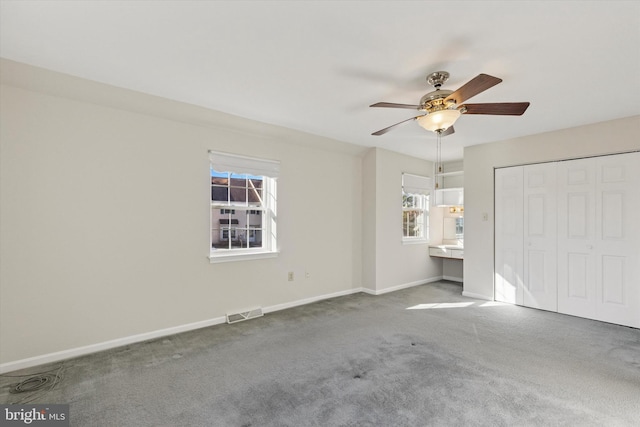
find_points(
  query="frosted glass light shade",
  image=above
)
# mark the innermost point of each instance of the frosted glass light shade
(438, 120)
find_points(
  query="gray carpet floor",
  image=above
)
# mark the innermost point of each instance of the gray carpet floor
(424, 356)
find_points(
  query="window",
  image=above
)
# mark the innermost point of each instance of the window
(243, 207)
(460, 228)
(415, 208)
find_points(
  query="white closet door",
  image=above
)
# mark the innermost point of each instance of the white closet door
(568, 237)
(599, 238)
(508, 235)
(540, 237)
(577, 240)
(618, 231)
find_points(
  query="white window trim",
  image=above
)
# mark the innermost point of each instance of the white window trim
(414, 241)
(269, 169)
(238, 255)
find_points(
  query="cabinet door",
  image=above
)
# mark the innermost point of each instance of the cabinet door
(449, 197)
(439, 252)
(508, 235)
(540, 237)
(457, 253)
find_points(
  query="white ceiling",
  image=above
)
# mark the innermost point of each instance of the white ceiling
(316, 66)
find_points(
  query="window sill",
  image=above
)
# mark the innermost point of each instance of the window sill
(246, 256)
(415, 241)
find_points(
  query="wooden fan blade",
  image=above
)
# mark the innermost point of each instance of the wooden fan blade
(478, 84)
(392, 105)
(387, 129)
(498, 108)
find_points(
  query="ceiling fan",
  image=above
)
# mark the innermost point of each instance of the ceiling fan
(442, 108)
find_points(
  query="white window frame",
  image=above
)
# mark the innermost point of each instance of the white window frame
(268, 170)
(418, 187)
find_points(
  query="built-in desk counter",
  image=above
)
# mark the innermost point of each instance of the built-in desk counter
(447, 251)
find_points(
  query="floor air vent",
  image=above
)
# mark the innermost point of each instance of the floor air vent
(245, 315)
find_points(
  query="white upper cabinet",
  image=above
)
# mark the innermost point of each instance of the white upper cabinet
(449, 189)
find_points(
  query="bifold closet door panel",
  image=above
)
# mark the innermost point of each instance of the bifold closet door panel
(540, 237)
(599, 238)
(577, 240)
(618, 231)
(508, 235)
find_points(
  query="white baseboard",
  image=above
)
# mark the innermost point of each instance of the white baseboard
(453, 279)
(476, 296)
(106, 345)
(305, 301)
(402, 286)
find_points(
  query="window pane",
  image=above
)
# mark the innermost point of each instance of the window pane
(238, 190)
(459, 228)
(241, 218)
(415, 215)
(254, 193)
(408, 201)
(254, 236)
(220, 238)
(219, 190)
(412, 223)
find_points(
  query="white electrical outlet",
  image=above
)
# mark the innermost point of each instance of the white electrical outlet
(290, 276)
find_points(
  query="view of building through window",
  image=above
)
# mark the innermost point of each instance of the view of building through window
(237, 207)
(243, 207)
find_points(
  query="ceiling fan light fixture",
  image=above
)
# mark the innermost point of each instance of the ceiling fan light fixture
(440, 120)
(441, 108)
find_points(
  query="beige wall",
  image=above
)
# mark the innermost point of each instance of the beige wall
(479, 162)
(388, 263)
(104, 210)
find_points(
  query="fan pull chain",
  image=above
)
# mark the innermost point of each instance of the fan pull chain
(438, 159)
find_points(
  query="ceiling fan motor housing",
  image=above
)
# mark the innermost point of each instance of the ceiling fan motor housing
(434, 101)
